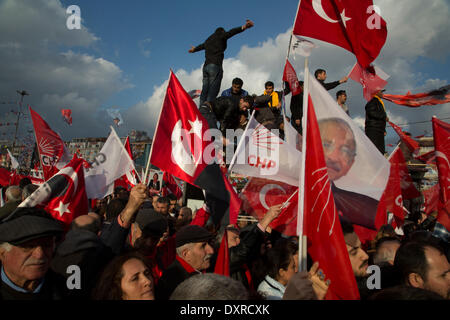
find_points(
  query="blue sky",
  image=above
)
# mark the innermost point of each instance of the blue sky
(122, 55)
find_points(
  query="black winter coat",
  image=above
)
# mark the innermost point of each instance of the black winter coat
(375, 116)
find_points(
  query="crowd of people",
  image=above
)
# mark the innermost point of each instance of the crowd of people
(133, 246)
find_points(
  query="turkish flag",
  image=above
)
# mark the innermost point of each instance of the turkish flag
(372, 79)
(409, 190)
(345, 23)
(441, 133)
(260, 194)
(128, 180)
(64, 195)
(182, 148)
(320, 218)
(67, 115)
(428, 157)
(50, 145)
(223, 257)
(290, 76)
(392, 199)
(412, 145)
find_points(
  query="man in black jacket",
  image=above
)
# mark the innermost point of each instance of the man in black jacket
(321, 76)
(376, 119)
(215, 47)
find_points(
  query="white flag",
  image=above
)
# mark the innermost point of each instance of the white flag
(367, 170)
(261, 153)
(14, 162)
(302, 46)
(112, 162)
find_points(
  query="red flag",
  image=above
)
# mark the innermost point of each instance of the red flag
(441, 133)
(409, 190)
(50, 145)
(260, 194)
(439, 96)
(290, 76)
(412, 145)
(431, 199)
(392, 199)
(179, 148)
(67, 115)
(170, 186)
(321, 222)
(64, 195)
(223, 259)
(128, 180)
(347, 23)
(429, 157)
(372, 79)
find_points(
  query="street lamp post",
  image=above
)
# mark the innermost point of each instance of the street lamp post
(22, 93)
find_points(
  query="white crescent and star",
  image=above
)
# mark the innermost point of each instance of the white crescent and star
(63, 208)
(318, 8)
(265, 189)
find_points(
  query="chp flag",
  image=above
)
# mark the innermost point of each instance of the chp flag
(261, 153)
(191, 156)
(353, 25)
(63, 195)
(52, 151)
(372, 79)
(321, 224)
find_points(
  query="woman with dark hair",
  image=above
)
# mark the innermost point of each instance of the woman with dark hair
(281, 266)
(154, 184)
(126, 277)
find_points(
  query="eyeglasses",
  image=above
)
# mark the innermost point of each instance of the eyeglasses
(348, 153)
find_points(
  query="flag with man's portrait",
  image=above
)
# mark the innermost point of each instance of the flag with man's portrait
(357, 170)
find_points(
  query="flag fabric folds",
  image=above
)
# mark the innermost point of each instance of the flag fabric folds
(321, 223)
(63, 195)
(67, 116)
(290, 76)
(181, 148)
(171, 186)
(352, 25)
(434, 97)
(412, 145)
(371, 78)
(111, 163)
(14, 162)
(441, 133)
(52, 151)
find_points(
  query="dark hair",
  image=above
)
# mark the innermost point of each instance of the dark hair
(317, 72)
(268, 84)
(411, 258)
(238, 81)
(278, 257)
(340, 92)
(114, 208)
(118, 189)
(249, 99)
(347, 227)
(108, 286)
(171, 197)
(23, 182)
(405, 293)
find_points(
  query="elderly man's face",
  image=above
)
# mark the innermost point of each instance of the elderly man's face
(199, 255)
(339, 149)
(29, 261)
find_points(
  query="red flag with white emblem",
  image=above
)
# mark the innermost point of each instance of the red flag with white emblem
(52, 150)
(372, 79)
(352, 25)
(441, 133)
(63, 195)
(290, 76)
(260, 194)
(412, 144)
(320, 218)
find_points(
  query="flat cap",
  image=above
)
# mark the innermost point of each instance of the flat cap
(192, 234)
(151, 223)
(26, 224)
